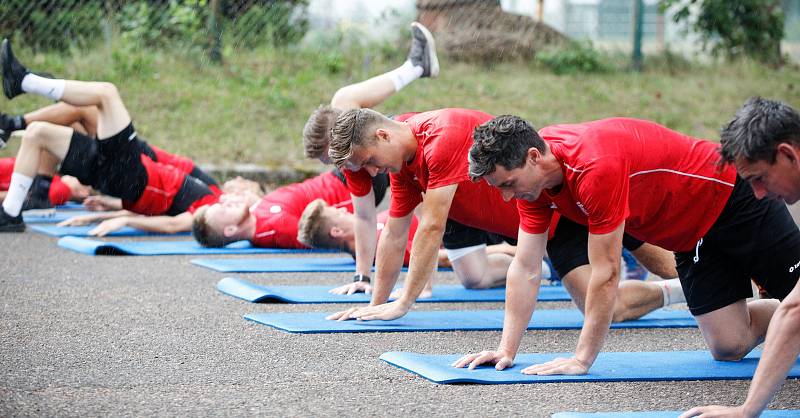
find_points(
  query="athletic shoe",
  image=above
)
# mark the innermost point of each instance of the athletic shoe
(38, 195)
(10, 223)
(13, 71)
(423, 50)
(36, 202)
(6, 128)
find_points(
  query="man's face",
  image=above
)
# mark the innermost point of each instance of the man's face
(231, 210)
(341, 223)
(379, 157)
(780, 180)
(526, 182)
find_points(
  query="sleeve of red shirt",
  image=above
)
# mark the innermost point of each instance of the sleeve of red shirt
(535, 217)
(603, 189)
(359, 183)
(447, 156)
(405, 197)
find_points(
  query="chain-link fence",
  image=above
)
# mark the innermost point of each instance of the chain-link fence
(205, 24)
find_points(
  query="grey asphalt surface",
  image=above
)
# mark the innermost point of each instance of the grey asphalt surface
(145, 336)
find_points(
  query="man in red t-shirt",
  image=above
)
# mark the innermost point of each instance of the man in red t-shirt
(269, 221)
(763, 141)
(685, 202)
(368, 191)
(427, 156)
(59, 191)
(115, 163)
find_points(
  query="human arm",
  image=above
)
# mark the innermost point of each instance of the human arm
(161, 224)
(100, 203)
(522, 289)
(366, 241)
(92, 218)
(3, 196)
(391, 249)
(781, 349)
(604, 254)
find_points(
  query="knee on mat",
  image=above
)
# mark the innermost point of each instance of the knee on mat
(622, 314)
(474, 282)
(731, 352)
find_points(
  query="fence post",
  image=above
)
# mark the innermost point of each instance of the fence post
(638, 23)
(215, 31)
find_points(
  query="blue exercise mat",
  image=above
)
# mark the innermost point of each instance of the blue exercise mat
(609, 367)
(53, 216)
(83, 231)
(95, 247)
(281, 265)
(255, 293)
(787, 413)
(71, 206)
(489, 320)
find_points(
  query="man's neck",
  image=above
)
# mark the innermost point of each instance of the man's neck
(407, 140)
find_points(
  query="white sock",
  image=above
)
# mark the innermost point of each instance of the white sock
(672, 290)
(47, 87)
(404, 75)
(17, 192)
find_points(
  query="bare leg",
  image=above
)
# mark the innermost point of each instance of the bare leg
(479, 270)
(368, 93)
(83, 118)
(112, 116)
(40, 138)
(733, 331)
(657, 260)
(634, 298)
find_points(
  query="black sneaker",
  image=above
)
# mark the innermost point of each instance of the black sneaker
(8, 124)
(36, 202)
(423, 50)
(11, 223)
(13, 71)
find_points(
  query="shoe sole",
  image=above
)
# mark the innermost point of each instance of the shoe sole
(433, 60)
(12, 228)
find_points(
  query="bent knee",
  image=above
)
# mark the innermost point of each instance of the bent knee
(623, 314)
(473, 282)
(107, 90)
(36, 132)
(731, 352)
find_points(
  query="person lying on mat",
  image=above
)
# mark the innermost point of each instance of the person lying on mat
(269, 221)
(422, 62)
(53, 190)
(82, 119)
(623, 175)
(116, 163)
(427, 156)
(763, 142)
(325, 226)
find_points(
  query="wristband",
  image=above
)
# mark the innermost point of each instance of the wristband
(360, 278)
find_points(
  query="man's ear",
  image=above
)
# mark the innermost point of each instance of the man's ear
(790, 152)
(336, 232)
(230, 231)
(382, 134)
(534, 155)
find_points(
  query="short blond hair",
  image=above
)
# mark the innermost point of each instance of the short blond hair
(317, 132)
(352, 129)
(313, 229)
(204, 234)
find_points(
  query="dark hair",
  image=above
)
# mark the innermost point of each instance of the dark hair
(203, 233)
(317, 132)
(756, 130)
(352, 129)
(505, 141)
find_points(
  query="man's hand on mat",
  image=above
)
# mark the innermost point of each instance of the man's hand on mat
(568, 366)
(500, 360)
(716, 411)
(427, 292)
(108, 226)
(351, 288)
(79, 220)
(384, 312)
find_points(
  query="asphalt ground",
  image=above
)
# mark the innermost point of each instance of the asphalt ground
(145, 336)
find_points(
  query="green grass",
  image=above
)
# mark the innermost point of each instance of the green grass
(252, 109)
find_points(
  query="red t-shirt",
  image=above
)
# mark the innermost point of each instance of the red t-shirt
(59, 192)
(278, 213)
(444, 138)
(183, 164)
(163, 183)
(383, 217)
(360, 182)
(666, 186)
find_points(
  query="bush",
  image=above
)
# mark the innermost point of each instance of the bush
(277, 24)
(576, 58)
(177, 21)
(53, 25)
(735, 28)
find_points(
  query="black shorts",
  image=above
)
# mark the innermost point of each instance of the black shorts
(111, 166)
(569, 247)
(458, 235)
(380, 184)
(192, 190)
(751, 239)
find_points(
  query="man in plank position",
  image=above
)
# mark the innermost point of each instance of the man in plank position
(427, 156)
(116, 163)
(763, 142)
(684, 201)
(422, 62)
